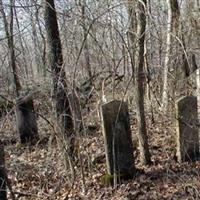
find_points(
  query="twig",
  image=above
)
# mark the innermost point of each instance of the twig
(5, 98)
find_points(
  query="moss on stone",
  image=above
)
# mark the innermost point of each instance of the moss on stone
(108, 179)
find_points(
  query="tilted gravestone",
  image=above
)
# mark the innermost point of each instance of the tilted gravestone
(26, 121)
(187, 131)
(117, 136)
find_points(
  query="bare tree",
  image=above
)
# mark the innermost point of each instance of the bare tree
(23, 52)
(8, 26)
(172, 27)
(131, 34)
(85, 35)
(38, 37)
(56, 63)
(145, 157)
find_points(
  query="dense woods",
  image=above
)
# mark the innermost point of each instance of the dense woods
(99, 99)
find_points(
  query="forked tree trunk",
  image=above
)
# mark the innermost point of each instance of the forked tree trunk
(56, 62)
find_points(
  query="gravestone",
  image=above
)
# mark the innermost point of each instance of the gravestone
(117, 136)
(76, 111)
(3, 192)
(26, 121)
(187, 130)
(198, 90)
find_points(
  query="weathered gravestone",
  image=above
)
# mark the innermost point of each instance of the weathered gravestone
(187, 131)
(26, 121)
(3, 193)
(76, 111)
(117, 136)
(198, 90)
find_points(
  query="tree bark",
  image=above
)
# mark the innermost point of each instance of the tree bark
(145, 156)
(56, 62)
(131, 35)
(167, 60)
(10, 41)
(172, 27)
(23, 51)
(85, 35)
(43, 45)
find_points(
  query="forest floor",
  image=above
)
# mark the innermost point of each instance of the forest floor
(38, 172)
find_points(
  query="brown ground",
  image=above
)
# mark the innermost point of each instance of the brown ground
(38, 172)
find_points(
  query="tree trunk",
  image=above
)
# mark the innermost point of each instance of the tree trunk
(43, 45)
(10, 41)
(145, 156)
(172, 27)
(36, 45)
(131, 35)
(85, 35)
(56, 62)
(166, 62)
(21, 44)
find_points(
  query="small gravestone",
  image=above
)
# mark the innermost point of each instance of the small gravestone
(3, 193)
(117, 136)
(187, 130)
(76, 111)
(26, 121)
